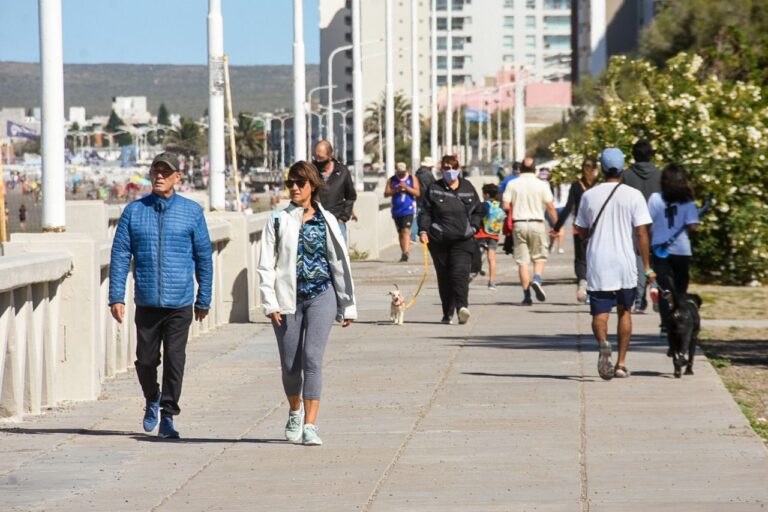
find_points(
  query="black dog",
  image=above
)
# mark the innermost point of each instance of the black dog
(683, 328)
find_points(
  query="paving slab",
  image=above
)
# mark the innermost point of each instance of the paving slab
(505, 413)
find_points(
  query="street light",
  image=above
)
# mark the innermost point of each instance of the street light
(433, 122)
(282, 120)
(389, 93)
(329, 135)
(299, 82)
(357, 90)
(415, 117)
(308, 109)
(344, 114)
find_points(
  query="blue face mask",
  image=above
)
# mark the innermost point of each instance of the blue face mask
(451, 175)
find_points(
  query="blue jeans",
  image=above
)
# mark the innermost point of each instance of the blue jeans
(343, 229)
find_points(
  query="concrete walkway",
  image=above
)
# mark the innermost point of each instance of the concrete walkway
(504, 413)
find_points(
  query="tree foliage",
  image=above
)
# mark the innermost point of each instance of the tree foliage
(163, 117)
(718, 131)
(187, 139)
(375, 116)
(115, 125)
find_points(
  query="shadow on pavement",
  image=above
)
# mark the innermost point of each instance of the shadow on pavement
(152, 438)
(531, 376)
(566, 342)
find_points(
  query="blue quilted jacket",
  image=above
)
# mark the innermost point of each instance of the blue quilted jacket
(169, 243)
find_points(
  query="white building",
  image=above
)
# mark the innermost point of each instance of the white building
(605, 28)
(336, 31)
(77, 115)
(132, 109)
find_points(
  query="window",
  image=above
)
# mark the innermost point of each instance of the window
(557, 43)
(458, 63)
(557, 4)
(442, 24)
(441, 43)
(557, 23)
(530, 21)
(509, 42)
(509, 3)
(442, 62)
(458, 43)
(530, 41)
(509, 21)
(441, 80)
(458, 23)
(530, 58)
(509, 59)
(530, 4)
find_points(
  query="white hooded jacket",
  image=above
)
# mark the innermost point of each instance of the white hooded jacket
(277, 268)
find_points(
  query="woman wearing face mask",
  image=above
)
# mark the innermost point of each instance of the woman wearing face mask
(305, 283)
(585, 182)
(448, 222)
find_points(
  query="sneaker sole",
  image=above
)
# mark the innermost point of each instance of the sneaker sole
(464, 315)
(539, 291)
(604, 364)
(313, 443)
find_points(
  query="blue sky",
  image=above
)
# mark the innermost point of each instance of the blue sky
(160, 31)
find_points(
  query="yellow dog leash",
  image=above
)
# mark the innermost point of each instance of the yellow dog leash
(423, 278)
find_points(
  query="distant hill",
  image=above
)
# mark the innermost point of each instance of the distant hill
(183, 89)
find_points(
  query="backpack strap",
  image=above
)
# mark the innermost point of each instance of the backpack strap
(594, 224)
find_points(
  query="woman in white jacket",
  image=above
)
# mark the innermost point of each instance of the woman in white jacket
(305, 283)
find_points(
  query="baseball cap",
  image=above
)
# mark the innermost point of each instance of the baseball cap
(170, 159)
(612, 160)
(401, 167)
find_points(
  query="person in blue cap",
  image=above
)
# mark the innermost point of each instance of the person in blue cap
(609, 216)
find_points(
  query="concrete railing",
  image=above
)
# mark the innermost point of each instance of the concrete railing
(55, 322)
(30, 331)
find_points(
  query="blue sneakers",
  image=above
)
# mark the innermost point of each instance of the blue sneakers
(166, 429)
(151, 415)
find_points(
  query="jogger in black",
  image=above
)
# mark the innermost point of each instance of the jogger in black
(452, 262)
(168, 327)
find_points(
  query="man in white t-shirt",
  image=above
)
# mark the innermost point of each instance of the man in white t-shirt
(528, 197)
(611, 264)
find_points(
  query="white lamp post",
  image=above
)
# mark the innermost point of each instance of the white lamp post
(52, 140)
(433, 119)
(389, 91)
(282, 120)
(217, 187)
(357, 88)
(520, 115)
(299, 83)
(449, 73)
(415, 109)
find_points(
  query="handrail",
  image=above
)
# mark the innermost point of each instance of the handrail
(25, 269)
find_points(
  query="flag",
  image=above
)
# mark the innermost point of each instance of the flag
(17, 130)
(474, 115)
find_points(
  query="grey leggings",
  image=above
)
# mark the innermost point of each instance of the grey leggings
(301, 340)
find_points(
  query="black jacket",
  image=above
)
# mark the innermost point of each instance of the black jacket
(426, 178)
(645, 177)
(450, 215)
(574, 199)
(339, 195)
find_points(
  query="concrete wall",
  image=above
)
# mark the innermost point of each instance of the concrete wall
(58, 340)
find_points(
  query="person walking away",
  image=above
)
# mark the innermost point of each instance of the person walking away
(674, 216)
(527, 198)
(305, 283)
(509, 239)
(644, 176)
(610, 217)
(578, 187)
(339, 195)
(23, 217)
(426, 177)
(404, 190)
(167, 238)
(490, 231)
(448, 222)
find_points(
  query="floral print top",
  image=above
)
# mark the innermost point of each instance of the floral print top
(313, 273)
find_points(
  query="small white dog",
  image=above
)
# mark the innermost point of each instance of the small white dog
(397, 307)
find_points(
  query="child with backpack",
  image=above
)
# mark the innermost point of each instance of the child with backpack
(493, 223)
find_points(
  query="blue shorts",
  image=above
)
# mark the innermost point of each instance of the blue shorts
(603, 302)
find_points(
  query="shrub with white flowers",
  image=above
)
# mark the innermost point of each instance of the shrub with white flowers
(718, 131)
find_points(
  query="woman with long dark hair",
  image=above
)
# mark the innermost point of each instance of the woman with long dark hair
(305, 283)
(448, 221)
(674, 216)
(578, 187)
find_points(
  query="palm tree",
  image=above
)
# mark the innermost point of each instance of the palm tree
(187, 138)
(249, 141)
(374, 124)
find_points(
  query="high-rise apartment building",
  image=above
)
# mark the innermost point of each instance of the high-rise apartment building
(603, 28)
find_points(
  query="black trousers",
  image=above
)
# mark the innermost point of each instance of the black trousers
(452, 262)
(671, 271)
(477, 258)
(170, 328)
(580, 257)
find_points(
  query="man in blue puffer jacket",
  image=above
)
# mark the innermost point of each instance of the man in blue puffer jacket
(167, 237)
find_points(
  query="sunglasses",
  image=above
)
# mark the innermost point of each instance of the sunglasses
(300, 182)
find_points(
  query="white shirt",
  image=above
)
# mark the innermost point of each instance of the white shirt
(529, 197)
(668, 219)
(611, 261)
